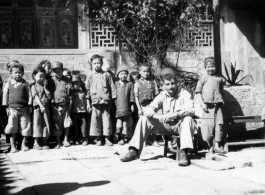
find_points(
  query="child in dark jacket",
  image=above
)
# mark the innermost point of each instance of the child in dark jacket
(61, 103)
(79, 112)
(124, 105)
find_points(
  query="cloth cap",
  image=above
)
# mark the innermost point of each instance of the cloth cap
(122, 68)
(166, 70)
(76, 78)
(57, 65)
(15, 64)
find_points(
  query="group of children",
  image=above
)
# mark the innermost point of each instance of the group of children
(62, 103)
(59, 104)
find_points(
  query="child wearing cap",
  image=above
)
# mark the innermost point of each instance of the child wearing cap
(18, 100)
(209, 91)
(100, 92)
(145, 90)
(61, 103)
(41, 101)
(124, 105)
(79, 112)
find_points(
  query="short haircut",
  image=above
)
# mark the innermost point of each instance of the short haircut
(207, 60)
(144, 65)
(44, 63)
(169, 77)
(96, 56)
(37, 70)
(16, 65)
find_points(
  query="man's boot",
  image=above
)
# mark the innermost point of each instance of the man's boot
(131, 155)
(183, 158)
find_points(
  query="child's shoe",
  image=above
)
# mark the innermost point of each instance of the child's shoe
(45, 147)
(85, 143)
(107, 142)
(121, 142)
(37, 147)
(66, 144)
(99, 143)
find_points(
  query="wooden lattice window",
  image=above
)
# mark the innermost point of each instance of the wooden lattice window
(37, 24)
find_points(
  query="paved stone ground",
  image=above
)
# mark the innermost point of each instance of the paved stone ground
(98, 170)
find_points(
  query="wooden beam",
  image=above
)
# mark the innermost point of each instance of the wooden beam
(217, 36)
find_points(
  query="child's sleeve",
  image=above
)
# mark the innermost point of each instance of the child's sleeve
(51, 89)
(156, 89)
(5, 94)
(112, 86)
(29, 93)
(87, 86)
(199, 85)
(136, 89)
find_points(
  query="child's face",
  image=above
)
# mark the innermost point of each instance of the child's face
(210, 68)
(17, 74)
(123, 75)
(170, 86)
(58, 72)
(97, 64)
(76, 85)
(145, 72)
(40, 77)
(67, 73)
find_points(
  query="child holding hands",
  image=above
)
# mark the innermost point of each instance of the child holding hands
(209, 91)
(18, 101)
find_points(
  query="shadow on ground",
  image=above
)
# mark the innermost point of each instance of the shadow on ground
(62, 188)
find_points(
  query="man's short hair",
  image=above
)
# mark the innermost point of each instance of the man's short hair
(96, 56)
(169, 77)
(144, 65)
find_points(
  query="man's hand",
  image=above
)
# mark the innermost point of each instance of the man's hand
(169, 117)
(149, 113)
(186, 113)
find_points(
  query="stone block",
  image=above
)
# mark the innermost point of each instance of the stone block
(24, 58)
(4, 58)
(212, 165)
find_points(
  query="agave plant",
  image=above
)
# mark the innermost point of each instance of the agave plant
(234, 75)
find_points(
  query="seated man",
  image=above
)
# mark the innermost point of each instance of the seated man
(177, 108)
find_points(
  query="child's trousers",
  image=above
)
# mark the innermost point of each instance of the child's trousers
(212, 127)
(18, 120)
(100, 120)
(80, 123)
(60, 118)
(40, 125)
(125, 123)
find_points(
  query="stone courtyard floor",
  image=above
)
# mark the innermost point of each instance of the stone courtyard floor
(98, 170)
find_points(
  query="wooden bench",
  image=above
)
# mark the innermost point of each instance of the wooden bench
(241, 119)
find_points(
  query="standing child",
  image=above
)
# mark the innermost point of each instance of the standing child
(41, 99)
(145, 90)
(124, 105)
(46, 64)
(18, 100)
(79, 112)
(209, 91)
(101, 92)
(61, 103)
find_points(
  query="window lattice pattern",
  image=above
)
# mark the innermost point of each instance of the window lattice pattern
(6, 3)
(25, 3)
(45, 3)
(102, 36)
(62, 3)
(204, 36)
